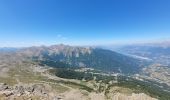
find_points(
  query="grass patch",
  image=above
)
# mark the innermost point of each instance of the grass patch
(9, 80)
(71, 84)
(25, 75)
(59, 88)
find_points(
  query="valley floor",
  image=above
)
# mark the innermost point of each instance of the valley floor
(29, 81)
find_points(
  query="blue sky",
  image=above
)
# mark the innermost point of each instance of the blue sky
(83, 22)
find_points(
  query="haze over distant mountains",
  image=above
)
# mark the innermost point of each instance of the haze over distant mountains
(157, 52)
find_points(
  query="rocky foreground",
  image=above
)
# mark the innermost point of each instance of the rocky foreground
(26, 92)
(44, 92)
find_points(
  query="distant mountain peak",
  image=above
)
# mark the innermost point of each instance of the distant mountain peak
(76, 56)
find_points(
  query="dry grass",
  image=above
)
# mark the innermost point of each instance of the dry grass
(9, 80)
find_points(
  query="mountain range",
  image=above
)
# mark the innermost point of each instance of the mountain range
(88, 57)
(64, 72)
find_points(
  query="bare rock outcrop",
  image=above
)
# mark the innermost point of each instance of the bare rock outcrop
(27, 92)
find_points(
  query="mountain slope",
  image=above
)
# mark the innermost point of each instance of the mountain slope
(96, 58)
(22, 70)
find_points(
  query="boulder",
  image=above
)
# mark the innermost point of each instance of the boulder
(30, 89)
(8, 93)
(3, 86)
(19, 90)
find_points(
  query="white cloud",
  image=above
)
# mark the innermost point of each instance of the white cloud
(61, 37)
